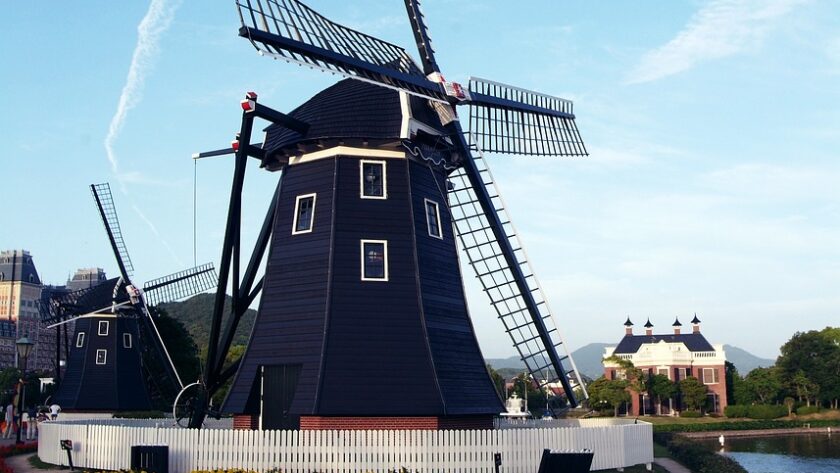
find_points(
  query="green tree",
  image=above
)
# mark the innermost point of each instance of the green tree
(817, 355)
(498, 381)
(607, 394)
(764, 384)
(730, 375)
(693, 392)
(803, 388)
(661, 388)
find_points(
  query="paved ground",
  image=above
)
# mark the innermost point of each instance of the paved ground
(671, 465)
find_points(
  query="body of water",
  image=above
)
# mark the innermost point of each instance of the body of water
(816, 453)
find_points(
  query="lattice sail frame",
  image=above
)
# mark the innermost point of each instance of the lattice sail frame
(479, 244)
(310, 39)
(521, 131)
(102, 195)
(181, 285)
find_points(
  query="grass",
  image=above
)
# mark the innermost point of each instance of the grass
(38, 464)
(660, 450)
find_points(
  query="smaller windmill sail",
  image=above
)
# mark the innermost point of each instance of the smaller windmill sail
(181, 285)
(510, 120)
(108, 212)
(291, 31)
(513, 290)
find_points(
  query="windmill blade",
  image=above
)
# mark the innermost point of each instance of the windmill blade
(108, 212)
(421, 36)
(181, 285)
(57, 305)
(511, 120)
(291, 31)
(501, 265)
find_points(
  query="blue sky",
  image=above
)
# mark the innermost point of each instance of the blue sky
(712, 127)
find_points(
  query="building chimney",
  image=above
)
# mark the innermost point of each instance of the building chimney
(677, 326)
(628, 327)
(648, 328)
(695, 324)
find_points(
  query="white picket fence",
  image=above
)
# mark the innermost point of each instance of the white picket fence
(616, 443)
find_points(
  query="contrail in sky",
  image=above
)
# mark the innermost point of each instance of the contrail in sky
(154, 24)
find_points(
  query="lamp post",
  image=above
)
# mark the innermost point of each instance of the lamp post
(24, 348)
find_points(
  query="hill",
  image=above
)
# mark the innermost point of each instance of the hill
(588, 360)
(195, 314)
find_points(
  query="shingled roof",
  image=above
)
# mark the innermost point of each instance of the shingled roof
(692, 341)
(17, 265)
(350, 109)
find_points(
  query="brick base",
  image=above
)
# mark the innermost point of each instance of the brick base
(246, 422)
(395, 423)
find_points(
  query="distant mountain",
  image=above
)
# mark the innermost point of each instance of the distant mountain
(588, 360)
(195, 314)
(744, 360)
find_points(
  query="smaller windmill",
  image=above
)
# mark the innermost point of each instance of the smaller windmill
(116, 336)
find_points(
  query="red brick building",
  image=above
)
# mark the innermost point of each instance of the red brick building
(676, 355)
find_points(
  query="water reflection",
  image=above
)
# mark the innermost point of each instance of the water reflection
(818, 453)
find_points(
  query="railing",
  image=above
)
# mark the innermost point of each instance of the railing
(616, 442)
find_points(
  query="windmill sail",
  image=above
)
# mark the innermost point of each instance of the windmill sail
(511, 120)
(291, 31)
(108, 212)
(181, 285)
(514, 292)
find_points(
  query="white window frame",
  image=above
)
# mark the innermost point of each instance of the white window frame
(362, 179)
(80, 339)
(295, 231)
(107, 327)
(127, 340)
(682, 373)
(385, 259)
(714, 376)
(667, 372)
(426, 203)
(104, 354)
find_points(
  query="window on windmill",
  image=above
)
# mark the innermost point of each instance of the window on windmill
(372, 174)
(126, 340)
(374, 260)
(101, 357)
(80, 339)
(103, 328)
(433, 219)
(304, 214)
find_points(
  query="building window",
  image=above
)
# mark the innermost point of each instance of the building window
(103, 327)
(374, 260)
(373, 180)
(80, 339)
(664, 372)
(680, 374)
(101, 356)
(710, 376)
(433, 219)
(126, 340)
(304, 214)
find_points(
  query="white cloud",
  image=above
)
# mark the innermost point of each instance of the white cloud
(721, 28)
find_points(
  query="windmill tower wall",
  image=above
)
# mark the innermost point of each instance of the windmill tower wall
(103, 372)
(345, 352)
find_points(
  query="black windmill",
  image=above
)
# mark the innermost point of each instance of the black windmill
(116, 352)
(362, 311)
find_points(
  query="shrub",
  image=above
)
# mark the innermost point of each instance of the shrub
(805, 410)
(698, 458)
(691, 414)
(744, 425)
(766, 411)
(735, 410)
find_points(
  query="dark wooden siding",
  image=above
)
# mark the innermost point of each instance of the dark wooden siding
(464, 381)
(377, 358)
(116, 385)
(290, 325)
